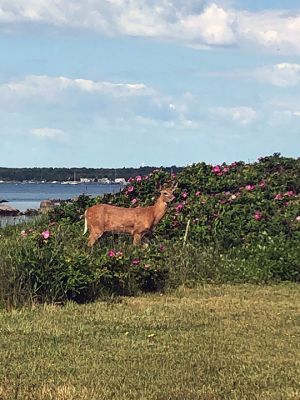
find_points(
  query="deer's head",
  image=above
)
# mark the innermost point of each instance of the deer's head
(167, 194)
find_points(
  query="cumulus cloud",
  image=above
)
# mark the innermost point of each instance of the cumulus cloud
(283, 74)
(106, 103)
(48, 133)
(195, 23)
(277, 30)
(242, 115)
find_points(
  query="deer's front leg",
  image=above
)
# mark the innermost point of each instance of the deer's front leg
(137, 238)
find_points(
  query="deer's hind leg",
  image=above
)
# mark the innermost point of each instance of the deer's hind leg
(94, 236)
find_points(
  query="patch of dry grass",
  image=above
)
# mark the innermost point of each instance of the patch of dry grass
(213, 342)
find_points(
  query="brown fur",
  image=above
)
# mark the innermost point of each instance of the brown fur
(135, 221)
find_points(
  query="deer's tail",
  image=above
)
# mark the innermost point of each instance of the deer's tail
(85, 224)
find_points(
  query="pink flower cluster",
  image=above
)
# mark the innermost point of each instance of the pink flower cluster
(137, 178)
(112, 253)
(221, 169)
(45, 234)
(281, 196)
(27, 232)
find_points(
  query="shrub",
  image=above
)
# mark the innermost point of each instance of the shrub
(244, 226)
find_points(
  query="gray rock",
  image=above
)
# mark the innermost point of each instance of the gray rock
(6, 210)
(30, 212)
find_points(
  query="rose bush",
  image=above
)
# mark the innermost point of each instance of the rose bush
(243, 221)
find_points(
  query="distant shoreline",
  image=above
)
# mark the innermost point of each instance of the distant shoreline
(63, 182)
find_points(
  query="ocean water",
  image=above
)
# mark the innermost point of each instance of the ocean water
(29, 195)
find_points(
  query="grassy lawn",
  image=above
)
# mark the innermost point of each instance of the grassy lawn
(213, 342)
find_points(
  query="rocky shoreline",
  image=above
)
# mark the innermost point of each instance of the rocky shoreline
(8, 211)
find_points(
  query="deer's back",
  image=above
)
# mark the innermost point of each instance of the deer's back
(120, 219)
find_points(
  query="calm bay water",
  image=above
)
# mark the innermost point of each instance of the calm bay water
(29, 195)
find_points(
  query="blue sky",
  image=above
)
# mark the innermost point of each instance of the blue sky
(113, 83)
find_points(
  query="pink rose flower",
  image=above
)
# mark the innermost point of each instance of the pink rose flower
(262, 184)
(198, 193)
(111, 253)
(46, 234)
(138, 178)
(290, 193)
(184, 195)
(133, 201)
(298, 218)
(250, 187)
(130, 189)
(278, 196)
(216, 169)
(136, 261)
(257, 216)
(179, 207)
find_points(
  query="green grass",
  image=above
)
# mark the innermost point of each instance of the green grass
(213, 342)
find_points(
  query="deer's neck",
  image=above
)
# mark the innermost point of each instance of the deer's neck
(159, 210)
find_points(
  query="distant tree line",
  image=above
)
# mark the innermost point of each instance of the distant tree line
(65, 174)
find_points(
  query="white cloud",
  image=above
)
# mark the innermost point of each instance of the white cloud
(212, 27)
(48, 133)
(283, 74)
(107, 102)
(50, 87)
(275, 30)
(195, 23)
(242, 115)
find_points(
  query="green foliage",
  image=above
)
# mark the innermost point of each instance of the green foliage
(64, 174)
(244, 226)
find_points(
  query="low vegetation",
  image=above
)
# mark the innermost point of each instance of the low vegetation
(229, 223)
(227, 342)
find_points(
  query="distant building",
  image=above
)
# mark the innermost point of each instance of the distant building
(85, 180)
(121, 181)
(104, 180)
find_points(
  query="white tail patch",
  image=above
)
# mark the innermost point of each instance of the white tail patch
(85, 224)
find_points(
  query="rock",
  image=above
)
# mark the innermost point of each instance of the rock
(6, 210)
(30, 212)
(3, 201)
(46, 205)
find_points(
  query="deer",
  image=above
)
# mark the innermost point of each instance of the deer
(138, 221)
